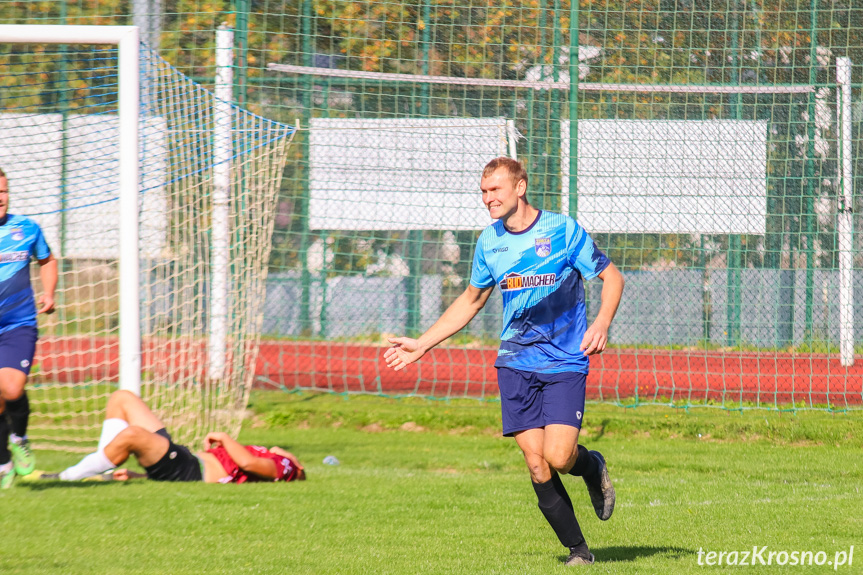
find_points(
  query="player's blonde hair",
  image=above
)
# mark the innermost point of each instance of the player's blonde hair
(514, 167)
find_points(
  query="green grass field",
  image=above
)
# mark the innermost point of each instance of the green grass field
(431, 487)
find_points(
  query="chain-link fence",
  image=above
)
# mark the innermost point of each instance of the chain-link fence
(716, 151)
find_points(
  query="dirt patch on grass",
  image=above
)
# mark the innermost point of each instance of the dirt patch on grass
(258, 422)
(472, 430)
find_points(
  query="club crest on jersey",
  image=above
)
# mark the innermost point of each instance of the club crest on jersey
(514, 281)
(17, 234)
(542, 247)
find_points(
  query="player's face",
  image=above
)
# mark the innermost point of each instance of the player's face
(499, 194)
(4, 197)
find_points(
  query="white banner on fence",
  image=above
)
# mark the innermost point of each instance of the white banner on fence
(401, 174)
(669, 176)
(31, 154)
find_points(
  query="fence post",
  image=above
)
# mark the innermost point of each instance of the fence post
(307, 86)
(845, 223)
(573, 110)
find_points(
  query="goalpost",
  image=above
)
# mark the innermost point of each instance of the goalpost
(126, 40)
(157, 197)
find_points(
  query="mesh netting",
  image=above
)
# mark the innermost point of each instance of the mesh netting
(59, 147)
(707, 166)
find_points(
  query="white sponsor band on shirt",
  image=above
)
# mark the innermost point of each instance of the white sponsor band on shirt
(518, 281)
(11, 257)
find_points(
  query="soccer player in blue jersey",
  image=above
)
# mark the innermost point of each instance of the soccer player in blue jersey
(539, 260)
(20, 239)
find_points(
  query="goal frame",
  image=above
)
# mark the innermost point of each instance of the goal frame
(126, 38)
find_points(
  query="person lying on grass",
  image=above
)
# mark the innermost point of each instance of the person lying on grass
(131, 428)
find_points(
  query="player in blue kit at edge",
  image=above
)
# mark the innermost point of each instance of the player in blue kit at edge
(20, 239)
(539, 260)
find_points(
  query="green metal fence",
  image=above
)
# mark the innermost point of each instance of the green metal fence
(748, 87)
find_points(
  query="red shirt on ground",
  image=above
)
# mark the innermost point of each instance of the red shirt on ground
(285, 469)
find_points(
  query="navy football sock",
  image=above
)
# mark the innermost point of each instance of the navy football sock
(5, 456)
(19, 413)
(556, 506)
(585, 464)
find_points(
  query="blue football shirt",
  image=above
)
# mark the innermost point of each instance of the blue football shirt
(20, 239)
(540, 272)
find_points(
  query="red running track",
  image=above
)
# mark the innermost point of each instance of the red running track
(617, 374)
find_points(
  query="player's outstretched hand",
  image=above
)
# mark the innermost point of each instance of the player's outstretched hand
(121, 475)
(404, 351)
(595, 339)
(126, 475)
(46, 304)
(215, 439)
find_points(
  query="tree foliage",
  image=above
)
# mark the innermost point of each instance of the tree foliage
(644, 42)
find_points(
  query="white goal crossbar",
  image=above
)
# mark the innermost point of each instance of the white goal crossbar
(126, 40)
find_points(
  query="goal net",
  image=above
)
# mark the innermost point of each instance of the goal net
(60, 136)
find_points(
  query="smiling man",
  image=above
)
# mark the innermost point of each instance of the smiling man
(20, 240)
(540, 261)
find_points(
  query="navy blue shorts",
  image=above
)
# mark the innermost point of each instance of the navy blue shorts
(17, 348)
(533, 400)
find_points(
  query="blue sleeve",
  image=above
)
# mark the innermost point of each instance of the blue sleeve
(40, 249)
(582, 253)
(480, 275)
